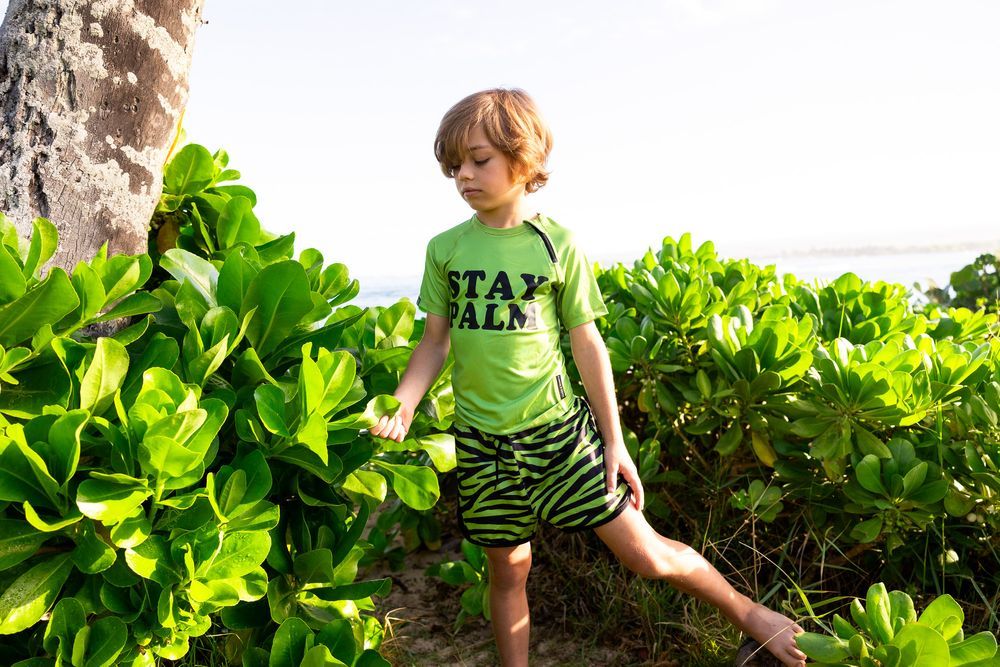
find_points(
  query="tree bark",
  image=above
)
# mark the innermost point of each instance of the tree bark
(91, 96)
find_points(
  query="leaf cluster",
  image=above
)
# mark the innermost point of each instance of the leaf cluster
(207, 466)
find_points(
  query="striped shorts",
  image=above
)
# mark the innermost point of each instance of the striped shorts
(553, 472)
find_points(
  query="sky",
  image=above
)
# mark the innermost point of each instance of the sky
(767, 126)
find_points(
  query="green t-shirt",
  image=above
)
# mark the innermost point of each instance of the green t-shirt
(505, 292)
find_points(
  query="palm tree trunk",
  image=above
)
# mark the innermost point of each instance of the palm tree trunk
(91, 97)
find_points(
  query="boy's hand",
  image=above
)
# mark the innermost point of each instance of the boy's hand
(617, 460)
(396, 426)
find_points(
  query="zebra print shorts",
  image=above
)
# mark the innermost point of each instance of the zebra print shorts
(553, 472)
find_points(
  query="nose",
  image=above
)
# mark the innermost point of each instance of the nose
(463, 173)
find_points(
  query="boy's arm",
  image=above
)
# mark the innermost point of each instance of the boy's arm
(423, 369)
(591, 357)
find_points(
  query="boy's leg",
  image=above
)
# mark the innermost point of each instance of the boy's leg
(646, 552)
(509, 568)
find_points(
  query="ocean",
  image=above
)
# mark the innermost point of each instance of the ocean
(926, 266)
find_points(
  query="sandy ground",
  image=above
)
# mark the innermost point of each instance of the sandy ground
(420, 614)
(420, 611)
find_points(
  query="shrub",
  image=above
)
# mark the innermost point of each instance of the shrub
(206, 465)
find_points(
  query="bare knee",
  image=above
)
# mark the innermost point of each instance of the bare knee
(509, 566)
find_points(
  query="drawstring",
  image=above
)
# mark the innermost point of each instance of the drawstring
(498, 440)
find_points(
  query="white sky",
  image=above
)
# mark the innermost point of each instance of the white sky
(761, 124)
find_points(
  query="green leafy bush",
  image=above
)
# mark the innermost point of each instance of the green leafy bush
(888, 633)
(975, 285)
(205, 465)
(471, 572)
(834, 409)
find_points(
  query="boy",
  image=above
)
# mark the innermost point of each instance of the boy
(497, 287)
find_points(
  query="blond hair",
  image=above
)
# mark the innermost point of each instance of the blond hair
(510, 121)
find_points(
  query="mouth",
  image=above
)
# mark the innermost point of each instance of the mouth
(469, 192)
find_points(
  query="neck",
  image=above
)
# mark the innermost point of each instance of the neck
(508, 215)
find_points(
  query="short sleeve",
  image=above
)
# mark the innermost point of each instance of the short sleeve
(433, 297)
(580, 298)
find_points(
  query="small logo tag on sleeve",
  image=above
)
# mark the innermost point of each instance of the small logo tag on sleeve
(559, 382)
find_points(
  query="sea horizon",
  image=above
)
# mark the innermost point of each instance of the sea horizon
(926, 265)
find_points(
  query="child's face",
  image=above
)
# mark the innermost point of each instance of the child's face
(485, 179)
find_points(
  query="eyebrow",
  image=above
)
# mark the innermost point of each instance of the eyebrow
(477, 147)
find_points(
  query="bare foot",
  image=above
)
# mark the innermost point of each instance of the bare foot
(776, 633)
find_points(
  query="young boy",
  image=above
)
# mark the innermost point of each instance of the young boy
(497, 288)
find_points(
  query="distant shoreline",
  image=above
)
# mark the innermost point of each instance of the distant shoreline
(925, 264)
(961, 246)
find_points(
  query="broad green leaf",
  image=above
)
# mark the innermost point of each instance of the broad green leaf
(281, 295)
(67, 619)
(92, 554)
(920, 646)
(47, 303)
(44, 239)
(18, 542)
(24, 476)
(877, 605)
(104, 376)
(980, 646)
(164, 457)
(394, 325)
(869, 444)
(132, 530)
(901, 608)
(12, 282)
(64, 444)
(338, 636)
(152, 560)
(258, 476)
(90, 291)
(306, 459)
(270, 401)
(320, 656)
(371, 658)
(312, 434)
(241, 553)
(237, 223)
(314, 567)
(375, 409)
(122, 274)
(175, 649)
(200, 273)
(139, 303)
(416, 486)
(368, 483)
(30, 595)
(730, 440)
(232, 493)
(48, 525)
(289, 645)
(105, 642)
(823, 648)
(357, 590)
(339, 369)
(235, 277)
(439, 446)
(190, 171)
(938, 612)
(109, 502)
(311, 384)
(869, 475)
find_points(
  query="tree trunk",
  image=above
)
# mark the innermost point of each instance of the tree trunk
(91, 96)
